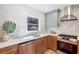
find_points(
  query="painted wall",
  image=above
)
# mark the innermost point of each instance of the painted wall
(18, 14)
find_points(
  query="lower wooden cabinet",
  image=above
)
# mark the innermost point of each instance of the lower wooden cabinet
(77, 46)
(37, 46)
(52, 42)
(41, 45)
(9, 50)
(27, 48)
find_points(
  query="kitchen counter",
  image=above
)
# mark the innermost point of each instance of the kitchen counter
(22, 39)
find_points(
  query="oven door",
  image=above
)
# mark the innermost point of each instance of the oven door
(66, 47)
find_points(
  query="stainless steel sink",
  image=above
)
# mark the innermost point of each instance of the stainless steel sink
(36, 35)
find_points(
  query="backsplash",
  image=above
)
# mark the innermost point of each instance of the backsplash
(70, 27)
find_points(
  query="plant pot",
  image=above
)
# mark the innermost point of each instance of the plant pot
(4, 38)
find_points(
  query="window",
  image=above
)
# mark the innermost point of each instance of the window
(32, 24)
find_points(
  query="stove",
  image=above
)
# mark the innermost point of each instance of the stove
(67, 37)
(64, 46)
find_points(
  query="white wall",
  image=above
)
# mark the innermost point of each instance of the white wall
(18, 14)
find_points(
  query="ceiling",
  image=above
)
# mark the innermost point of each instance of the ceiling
(47, 7)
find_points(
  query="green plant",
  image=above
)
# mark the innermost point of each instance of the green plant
(9, 26)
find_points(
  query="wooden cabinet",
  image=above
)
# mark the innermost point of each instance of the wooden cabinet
(37, 46)
(52, 42)
(27, 48)
(41, 45)
(78, 47)
(45, 48)
(9, 50)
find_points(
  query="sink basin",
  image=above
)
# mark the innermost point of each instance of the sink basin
(36, 35)
(29, 37)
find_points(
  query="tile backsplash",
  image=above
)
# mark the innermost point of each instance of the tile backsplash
(69, 27)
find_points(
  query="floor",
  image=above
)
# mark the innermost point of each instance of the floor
(49, 51)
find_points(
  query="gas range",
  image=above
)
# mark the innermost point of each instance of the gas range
(65, 45)
(66, 36)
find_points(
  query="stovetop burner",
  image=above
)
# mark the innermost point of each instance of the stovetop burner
(65, 36)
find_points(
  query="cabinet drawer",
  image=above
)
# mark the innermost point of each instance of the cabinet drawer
(9, 50)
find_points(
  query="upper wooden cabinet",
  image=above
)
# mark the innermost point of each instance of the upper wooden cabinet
(41, 45)
(9, 50)
(52, 42)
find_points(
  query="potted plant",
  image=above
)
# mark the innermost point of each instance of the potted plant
(8, 27)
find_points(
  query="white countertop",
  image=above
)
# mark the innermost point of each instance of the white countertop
(21, 40)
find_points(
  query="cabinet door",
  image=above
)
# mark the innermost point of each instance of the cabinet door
(78, 47)
(9, 50)
(45, 44)
(41, 45)
(52, 42)
(26, 48)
